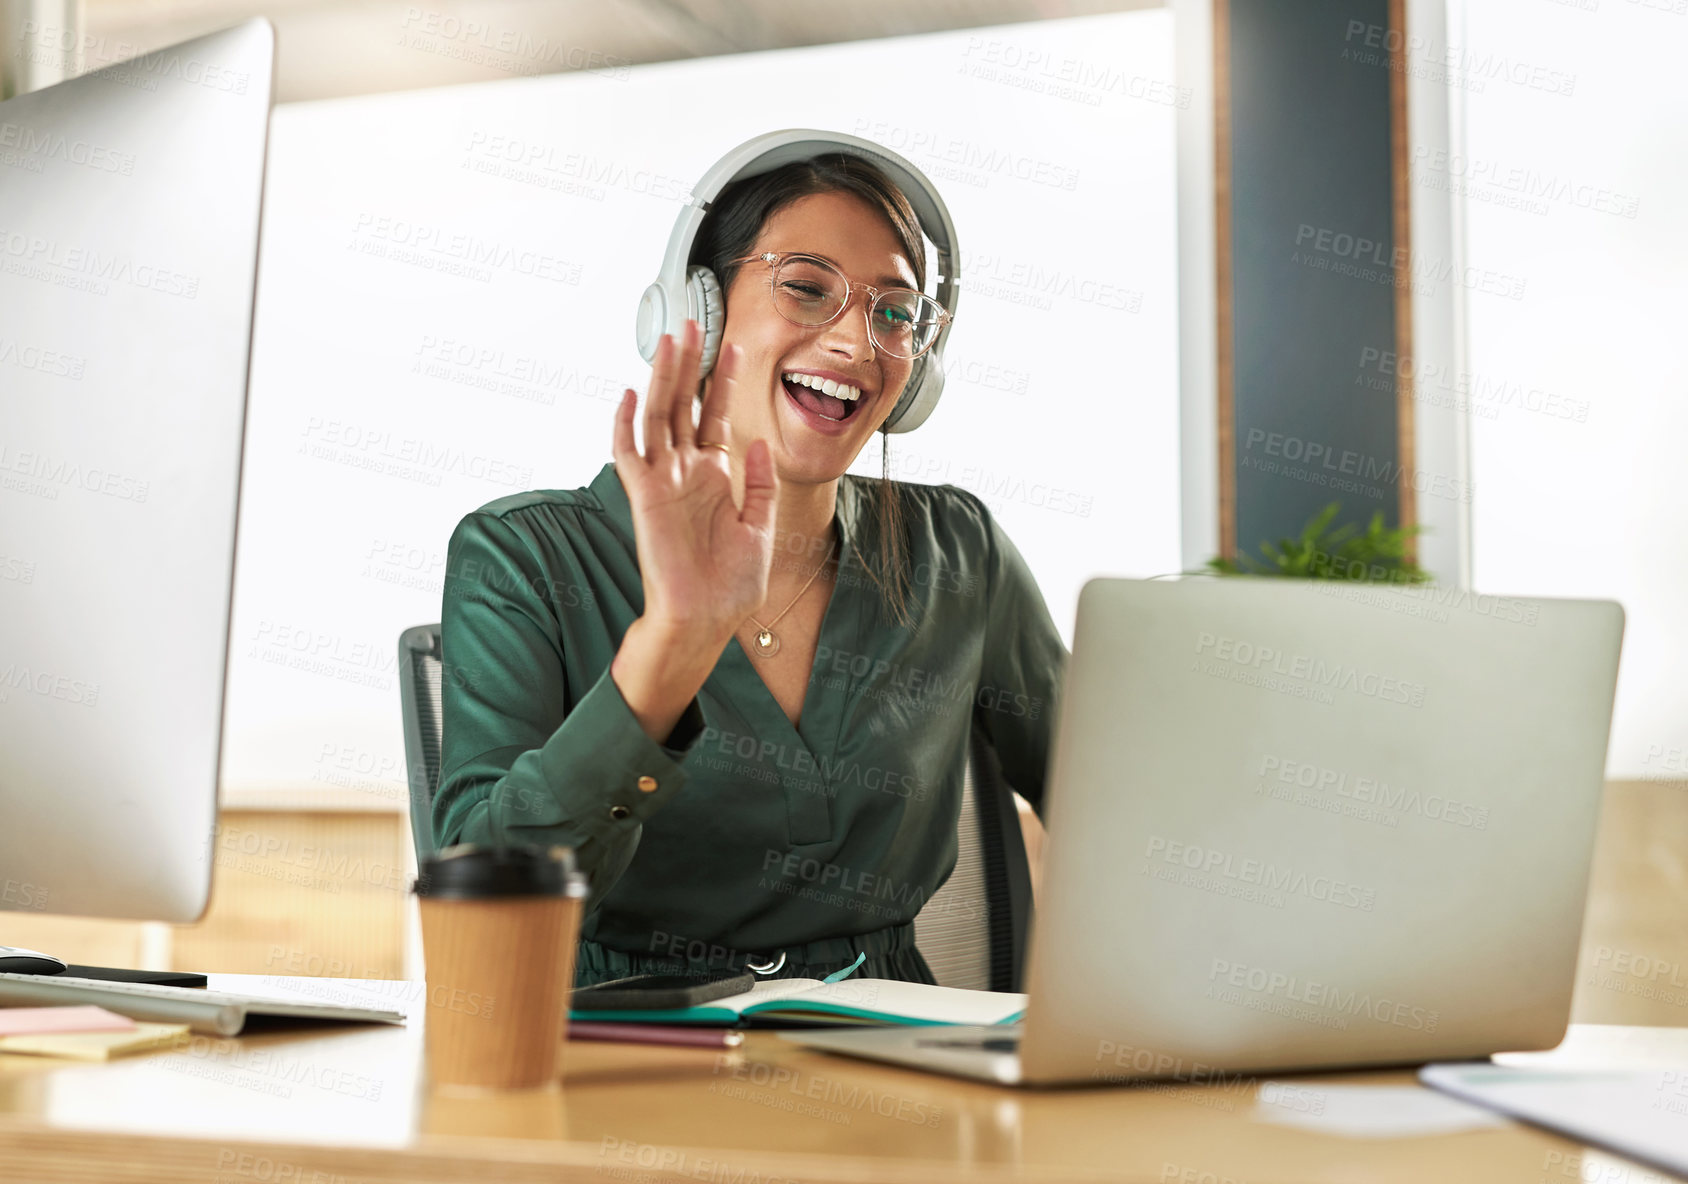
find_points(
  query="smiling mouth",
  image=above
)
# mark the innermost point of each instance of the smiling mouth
(822, 404)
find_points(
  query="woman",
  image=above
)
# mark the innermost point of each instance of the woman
(738, 681)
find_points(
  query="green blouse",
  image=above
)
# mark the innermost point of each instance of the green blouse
(740, 836)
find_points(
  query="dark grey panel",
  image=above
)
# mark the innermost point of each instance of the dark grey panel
(1313, 246)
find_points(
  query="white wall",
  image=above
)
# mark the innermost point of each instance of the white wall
(395, 390)
(1576, 182)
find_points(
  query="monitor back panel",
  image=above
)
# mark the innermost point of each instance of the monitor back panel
(129, 215)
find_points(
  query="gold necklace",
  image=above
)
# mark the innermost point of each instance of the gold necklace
(767, 643)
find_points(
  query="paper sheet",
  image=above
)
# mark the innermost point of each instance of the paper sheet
(1367, 1112)
(1641, 1113)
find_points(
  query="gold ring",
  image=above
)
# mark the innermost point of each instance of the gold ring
(712, 444)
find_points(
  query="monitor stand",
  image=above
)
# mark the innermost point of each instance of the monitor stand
(15, 960)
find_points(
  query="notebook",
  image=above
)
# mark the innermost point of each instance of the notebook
(42, 1021)
(97, 1046)
(808, 1002)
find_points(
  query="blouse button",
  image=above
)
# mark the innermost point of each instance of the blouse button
(647, 783)
(619, 811)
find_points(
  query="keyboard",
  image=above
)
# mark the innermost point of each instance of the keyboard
(219, 1013)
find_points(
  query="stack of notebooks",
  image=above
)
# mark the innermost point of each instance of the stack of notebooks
(808, 1002)
(81, 1033)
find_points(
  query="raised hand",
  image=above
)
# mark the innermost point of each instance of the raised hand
(704, 561)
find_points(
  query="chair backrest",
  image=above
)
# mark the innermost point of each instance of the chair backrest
(419, 692)
(972, 932)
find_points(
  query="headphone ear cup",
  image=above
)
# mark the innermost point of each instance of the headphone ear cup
(704, 302)
(931, 379)
(925, 384)
(653, 314)
(910, 395)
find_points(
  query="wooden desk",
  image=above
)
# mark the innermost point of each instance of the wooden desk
(345, 1106)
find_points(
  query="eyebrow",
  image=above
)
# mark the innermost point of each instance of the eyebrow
(884, 281)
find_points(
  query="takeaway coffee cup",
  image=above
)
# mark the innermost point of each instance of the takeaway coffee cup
(499, 926)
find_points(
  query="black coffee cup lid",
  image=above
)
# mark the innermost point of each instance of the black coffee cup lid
(471, 871)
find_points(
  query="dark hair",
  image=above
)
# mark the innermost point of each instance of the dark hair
(730, 229)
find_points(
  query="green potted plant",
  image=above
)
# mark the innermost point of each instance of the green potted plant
(1376, 555)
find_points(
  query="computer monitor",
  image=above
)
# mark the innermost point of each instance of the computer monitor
(129, 214)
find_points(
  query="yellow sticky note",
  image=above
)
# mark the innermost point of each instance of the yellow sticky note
(97, 1046)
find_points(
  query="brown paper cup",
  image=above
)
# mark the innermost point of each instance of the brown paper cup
(499, 929)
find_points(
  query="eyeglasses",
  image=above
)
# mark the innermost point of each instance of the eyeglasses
(810, 291)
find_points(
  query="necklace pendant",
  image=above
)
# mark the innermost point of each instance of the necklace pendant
(767, 645)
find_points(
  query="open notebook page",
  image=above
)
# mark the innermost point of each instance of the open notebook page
(765, 992)
(895, 999)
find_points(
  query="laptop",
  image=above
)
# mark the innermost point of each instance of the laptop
(1298, 825)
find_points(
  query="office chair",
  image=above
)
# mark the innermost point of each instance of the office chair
(972, 932)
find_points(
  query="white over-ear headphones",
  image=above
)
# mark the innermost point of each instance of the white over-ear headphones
(680, 292)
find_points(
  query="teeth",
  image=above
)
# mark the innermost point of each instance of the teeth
(826, 386)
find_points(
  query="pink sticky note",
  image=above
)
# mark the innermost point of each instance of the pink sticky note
(34, 1021)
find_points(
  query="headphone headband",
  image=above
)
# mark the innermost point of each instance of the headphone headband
(680, 293)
